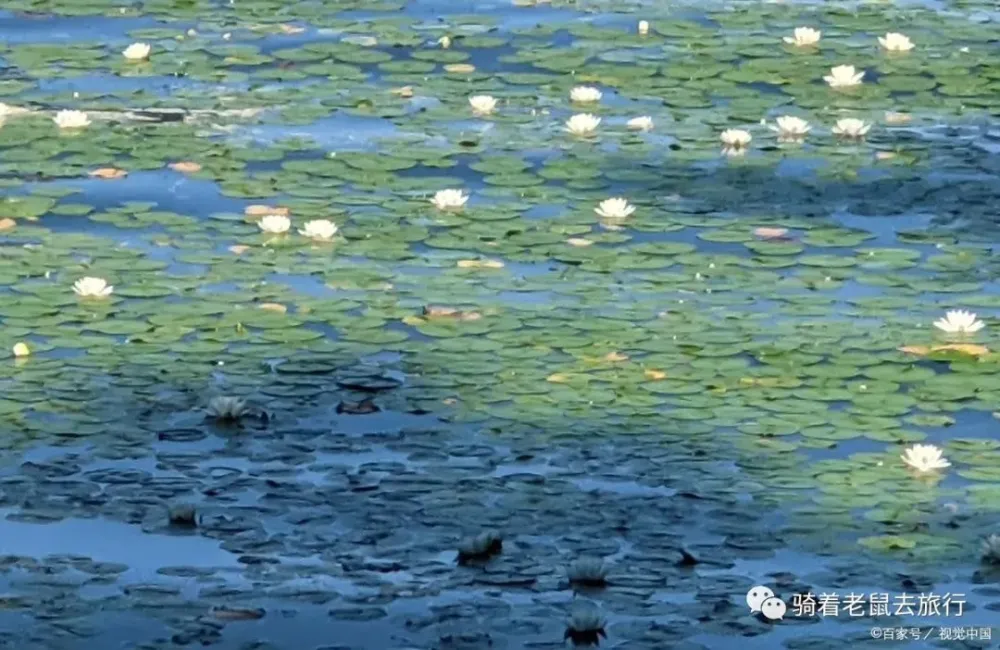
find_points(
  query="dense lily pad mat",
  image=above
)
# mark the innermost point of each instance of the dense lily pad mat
(699, 383)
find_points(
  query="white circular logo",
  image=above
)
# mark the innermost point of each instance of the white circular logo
(757, 596)
(773, 609)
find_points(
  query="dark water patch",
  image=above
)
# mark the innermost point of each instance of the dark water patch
(106, 541)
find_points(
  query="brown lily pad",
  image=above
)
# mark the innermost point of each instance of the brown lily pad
(767, 232)
(259, 210)
(185, 167)
(108, 173)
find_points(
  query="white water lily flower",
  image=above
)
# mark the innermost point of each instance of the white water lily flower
(71, 119)
(617, 208)
(735, 138)
(644, 123)
(482, 104)
(959, 322)
(790, 127)
(844, 76)
(92, 288)
(582, 124)
(586, 619)
(851, 127)
(991, 549)
(895, 42)
(319, 229)
(585, 94)
(275, 224)
(137, 51)
(481, 547)
(925, 458)
(643, 27)
(450, 200)
(803, 37)
(227, 408)
(481, 543)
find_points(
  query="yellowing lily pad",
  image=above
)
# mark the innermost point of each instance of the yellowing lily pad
(479, 264)
(970, 349)
(260, 210)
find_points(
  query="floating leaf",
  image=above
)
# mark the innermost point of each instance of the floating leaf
(185, 167)
(887, 543)
(970, 349)
(108, 173)
(229, 614)
(480, 264)
(261, 210)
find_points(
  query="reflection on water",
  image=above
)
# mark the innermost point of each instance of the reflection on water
(109, 541)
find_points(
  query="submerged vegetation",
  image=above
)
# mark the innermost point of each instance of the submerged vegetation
(707, 293)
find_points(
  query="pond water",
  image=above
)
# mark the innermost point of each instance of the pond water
(375, 302)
